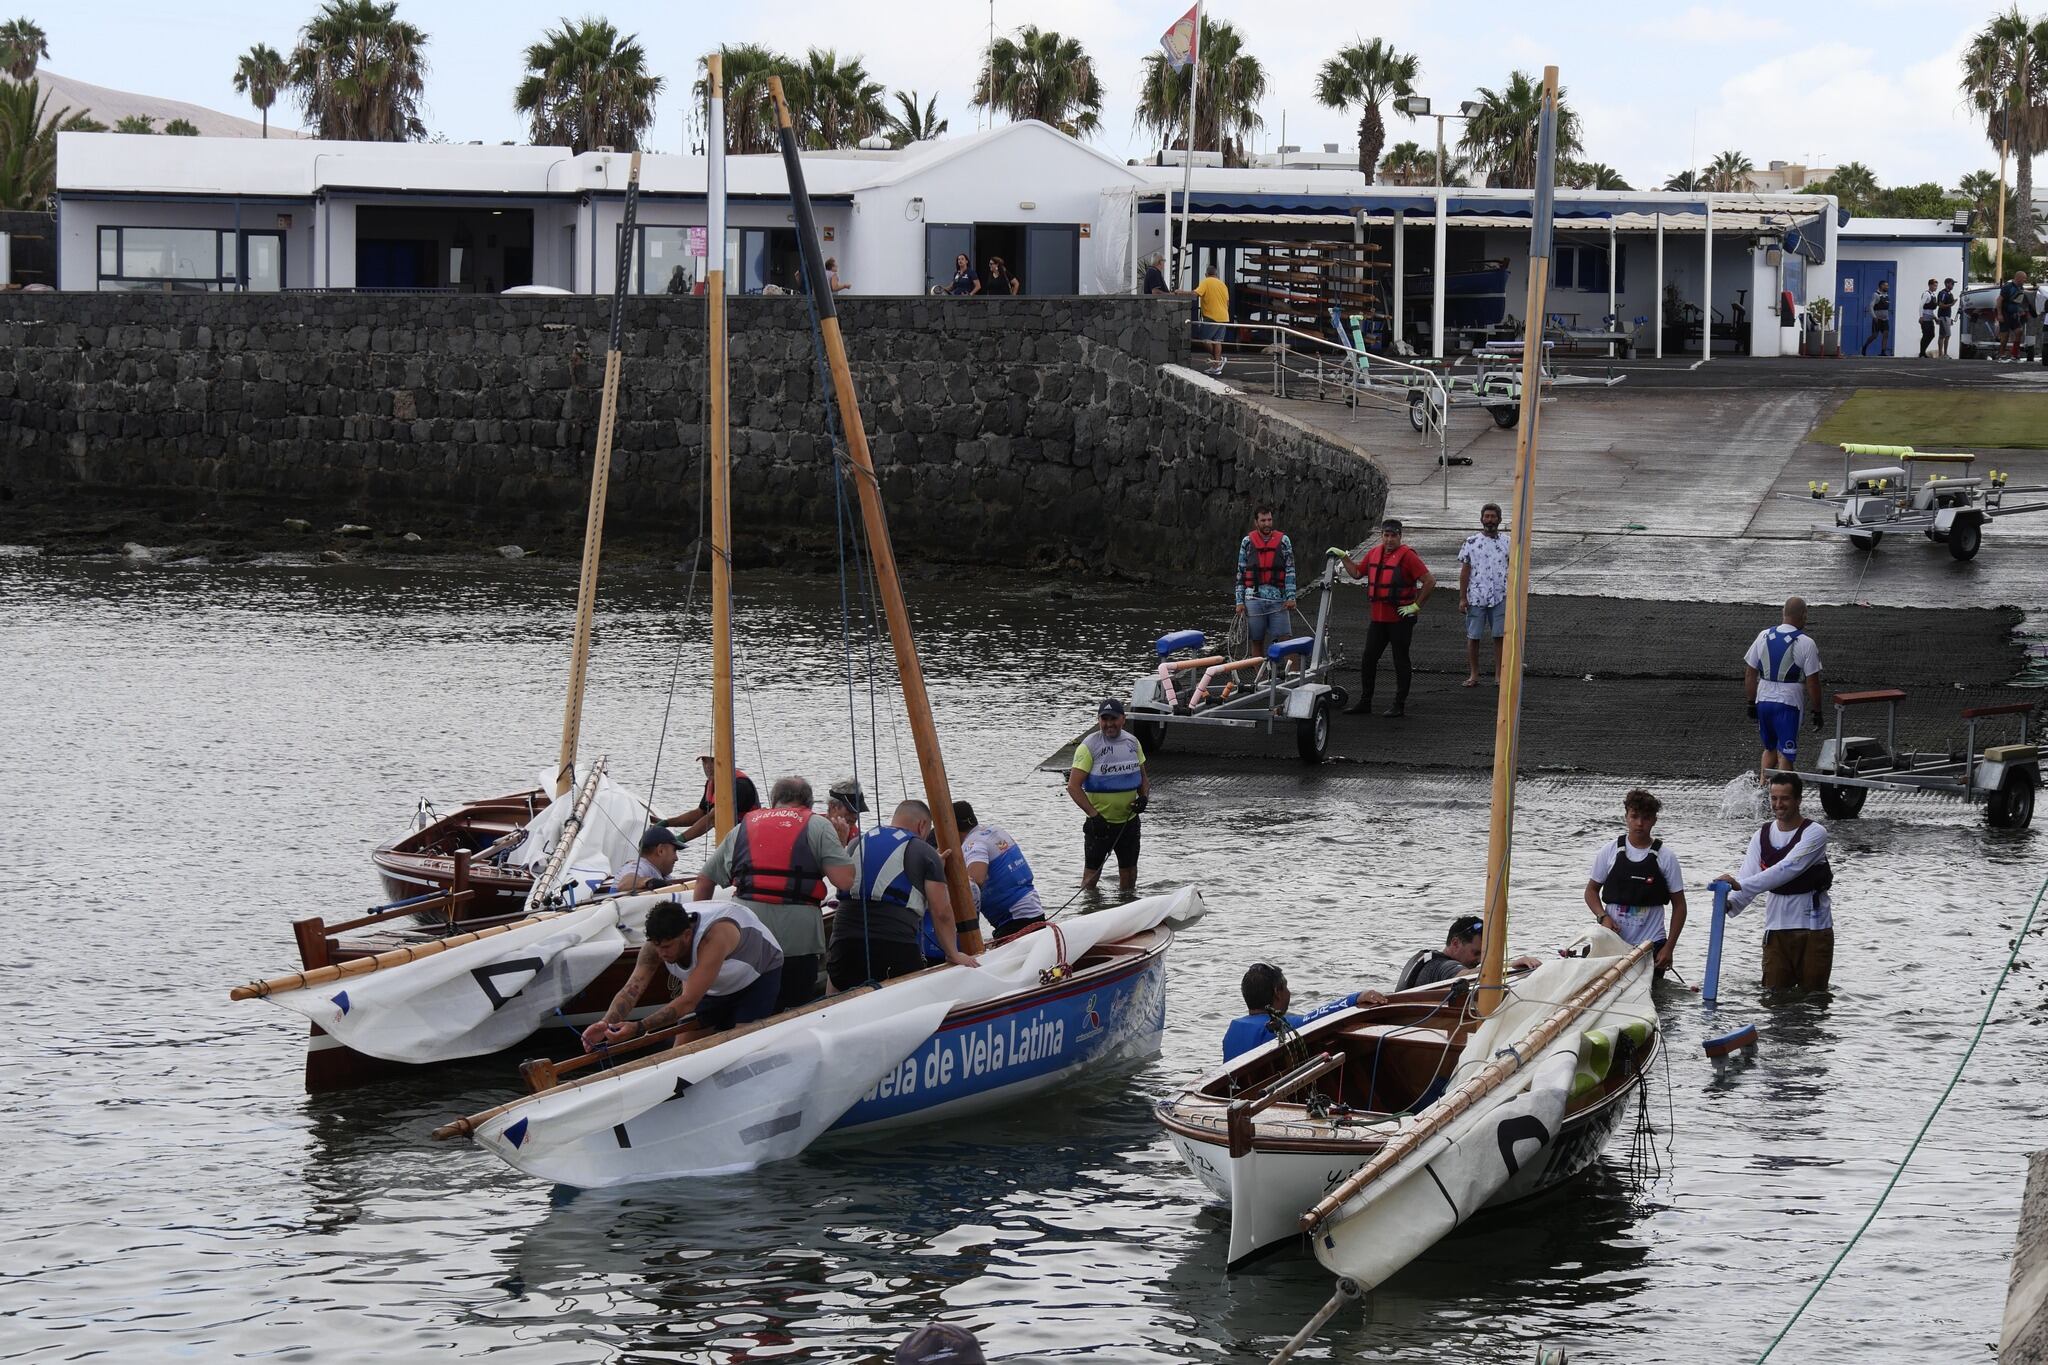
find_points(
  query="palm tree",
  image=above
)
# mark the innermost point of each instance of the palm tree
(586, 86)
(181, 127)
(1729, 172)
(28, 144)
(22, 45)
(359, 72)
(1980, 190)
(837, 104)
(1854, 185)
(912, 123)
(1233, 83)
(749, 109)
(260, 73)
(1405, 163)
(1685, 180)
(1501, 138)
(135, 123)
(1043, 75)
(2005, 78)
(1591, 175)
(1367, 75)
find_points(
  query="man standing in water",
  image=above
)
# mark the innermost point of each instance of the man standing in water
(1633, 878)
(1108, 782)
(1782, 665)
(1787, 864)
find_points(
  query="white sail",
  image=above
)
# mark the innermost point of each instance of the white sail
(1509, 1130)
(767, 1095)
(477, 998)
(609, 837)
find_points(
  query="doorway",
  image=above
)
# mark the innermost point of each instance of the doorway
(1859, 281)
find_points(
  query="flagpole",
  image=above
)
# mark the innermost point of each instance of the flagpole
(1187, 172)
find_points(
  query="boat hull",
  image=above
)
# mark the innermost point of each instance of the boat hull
(424, 860)
(998, 1054)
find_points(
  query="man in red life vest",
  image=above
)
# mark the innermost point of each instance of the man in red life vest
(1265, 581)
(1397, 583)
(777, 862)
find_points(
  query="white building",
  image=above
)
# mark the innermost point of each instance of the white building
(205, 213)
(1675, 272)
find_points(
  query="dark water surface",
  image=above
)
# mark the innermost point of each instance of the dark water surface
(197, 755)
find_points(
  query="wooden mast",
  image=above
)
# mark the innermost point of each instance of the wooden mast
(930, 762)
(721, 510)
(600, 480)
(1500, 836)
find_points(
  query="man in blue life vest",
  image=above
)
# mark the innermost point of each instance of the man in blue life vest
(898, 894)
(1004, 891)
(1634, 877)
(1108, 782)
(1781, 668)
(1265, 581)
(1266, 997)
(778, 862)
(1787, 864)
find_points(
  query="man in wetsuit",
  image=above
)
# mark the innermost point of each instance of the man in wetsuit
(1397, 583)
(1633, 877)
(1787, 864)
(1266, 997)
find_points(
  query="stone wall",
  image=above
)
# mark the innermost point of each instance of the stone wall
(1015, 430)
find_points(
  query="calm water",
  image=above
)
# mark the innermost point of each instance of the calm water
(198, 755)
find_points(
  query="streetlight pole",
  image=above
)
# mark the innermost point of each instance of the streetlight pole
(1418, 106)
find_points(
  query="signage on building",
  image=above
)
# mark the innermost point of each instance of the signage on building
(1085, 227)
(697, 242)
(284, 222)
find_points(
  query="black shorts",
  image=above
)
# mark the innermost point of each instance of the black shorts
(1099, 838)
(850, 962)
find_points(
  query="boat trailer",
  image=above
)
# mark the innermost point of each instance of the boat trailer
(1948, 509)
(2003, 776)
(1287, 684)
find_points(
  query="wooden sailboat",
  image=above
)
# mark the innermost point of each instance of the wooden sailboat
(1375, 1131)
(1039, 1011)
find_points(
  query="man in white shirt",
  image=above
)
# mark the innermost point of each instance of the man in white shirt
(1782, 667)
(1633, 878)
(1787, 864)
(1483, 590)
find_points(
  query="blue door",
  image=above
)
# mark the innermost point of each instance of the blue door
(1857, 282)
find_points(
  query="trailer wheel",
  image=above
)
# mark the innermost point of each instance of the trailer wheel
(2012, 805)
(1151, 734)
(1505, 417)
(1312, 736)
(1418, 415)
(1842, 803)
(1965, 538)
(1865, 540)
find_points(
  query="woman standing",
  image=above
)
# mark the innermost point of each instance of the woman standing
(965, 281)
(1000, 280)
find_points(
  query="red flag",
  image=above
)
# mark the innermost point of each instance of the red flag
(1180, 40)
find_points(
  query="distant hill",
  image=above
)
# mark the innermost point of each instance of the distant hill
(111, 106)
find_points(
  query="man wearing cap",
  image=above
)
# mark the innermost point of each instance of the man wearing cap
(725, 966)
(1108, 782)
(1463, 946)
(657, 859)
(779, 861)
(845, 803)
(1266, 997)
(704, 814)
(1397, 583)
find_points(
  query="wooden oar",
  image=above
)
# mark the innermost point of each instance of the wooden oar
(1473, 1090)
(362, 966)
(465, 1126)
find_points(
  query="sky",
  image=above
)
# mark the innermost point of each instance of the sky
(1658, 86)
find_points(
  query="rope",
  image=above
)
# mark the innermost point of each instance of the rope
(2019, 940)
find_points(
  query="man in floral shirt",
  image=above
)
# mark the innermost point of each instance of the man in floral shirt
(1483, 590)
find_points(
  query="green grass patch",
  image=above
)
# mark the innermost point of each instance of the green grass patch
(1939, 419)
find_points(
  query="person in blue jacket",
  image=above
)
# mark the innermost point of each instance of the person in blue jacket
(1267, 997)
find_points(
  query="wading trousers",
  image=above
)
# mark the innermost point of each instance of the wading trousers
(1378, 635)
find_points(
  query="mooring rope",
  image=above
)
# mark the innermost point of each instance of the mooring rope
(2019, 940)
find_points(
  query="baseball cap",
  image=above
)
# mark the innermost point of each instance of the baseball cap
(940, 1343)
(1110, 707)
(656, 836)
(847, 793)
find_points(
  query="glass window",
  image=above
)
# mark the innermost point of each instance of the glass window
(110, 251)
(173, 258)
(669, 261)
